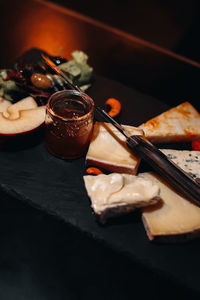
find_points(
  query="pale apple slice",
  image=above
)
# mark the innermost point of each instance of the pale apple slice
(27, 121)
(179, 124)
(24, 104)
(117, 194)
(108, 149)
(4, 104)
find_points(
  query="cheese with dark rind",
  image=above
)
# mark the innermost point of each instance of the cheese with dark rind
(108, 150)
(179, 124)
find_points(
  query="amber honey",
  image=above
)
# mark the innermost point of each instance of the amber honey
(69, 123)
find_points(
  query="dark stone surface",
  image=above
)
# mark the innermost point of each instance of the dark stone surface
(59, 251)
(43, 258)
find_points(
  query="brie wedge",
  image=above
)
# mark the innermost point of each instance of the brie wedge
(116, 194)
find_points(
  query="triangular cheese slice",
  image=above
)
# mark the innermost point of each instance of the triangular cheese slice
(108, 149)
(117, 194)
(179, 124)
(175, 218)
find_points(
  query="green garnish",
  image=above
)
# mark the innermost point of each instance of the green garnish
(7, 87)
(78, 70)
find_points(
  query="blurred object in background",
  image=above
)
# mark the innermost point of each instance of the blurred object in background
(151, 67)
(172, 24)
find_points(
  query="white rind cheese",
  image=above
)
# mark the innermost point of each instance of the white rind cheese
(120, 190)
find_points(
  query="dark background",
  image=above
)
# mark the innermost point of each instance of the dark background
(172, 24)
(43, 258)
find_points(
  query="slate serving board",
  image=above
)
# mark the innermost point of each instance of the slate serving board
(56, 186)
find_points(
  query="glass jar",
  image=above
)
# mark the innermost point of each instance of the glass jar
(69, 123)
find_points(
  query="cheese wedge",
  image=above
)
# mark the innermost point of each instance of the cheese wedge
(108, 149)
(116, 194)
(176, 218)
(179, 124)
(189, 161)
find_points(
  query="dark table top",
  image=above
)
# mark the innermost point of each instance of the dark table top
(59, 251)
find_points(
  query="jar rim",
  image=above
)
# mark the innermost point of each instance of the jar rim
(70, 92)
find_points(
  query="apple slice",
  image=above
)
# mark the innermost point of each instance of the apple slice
(28, 120)
(24, 104)
(4, 104)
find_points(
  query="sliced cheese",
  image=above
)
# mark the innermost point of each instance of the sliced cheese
(175, 218)
(179, 124)
(121, 192)
(189, 161)
(108, 149)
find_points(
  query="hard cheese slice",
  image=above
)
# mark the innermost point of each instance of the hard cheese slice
(115, 194)
(108, 149)
(176, 218)
(179, 124)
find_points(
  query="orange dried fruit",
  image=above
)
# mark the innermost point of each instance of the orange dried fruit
(115, 106)
(93, 171)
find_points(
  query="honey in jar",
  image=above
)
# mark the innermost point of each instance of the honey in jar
(69, 124)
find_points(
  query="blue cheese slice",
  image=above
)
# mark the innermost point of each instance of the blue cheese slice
(108, 149)
(176, 218)
(115, 193)
(189, 161)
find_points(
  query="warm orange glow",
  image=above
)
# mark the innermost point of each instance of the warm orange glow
(49, 31)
